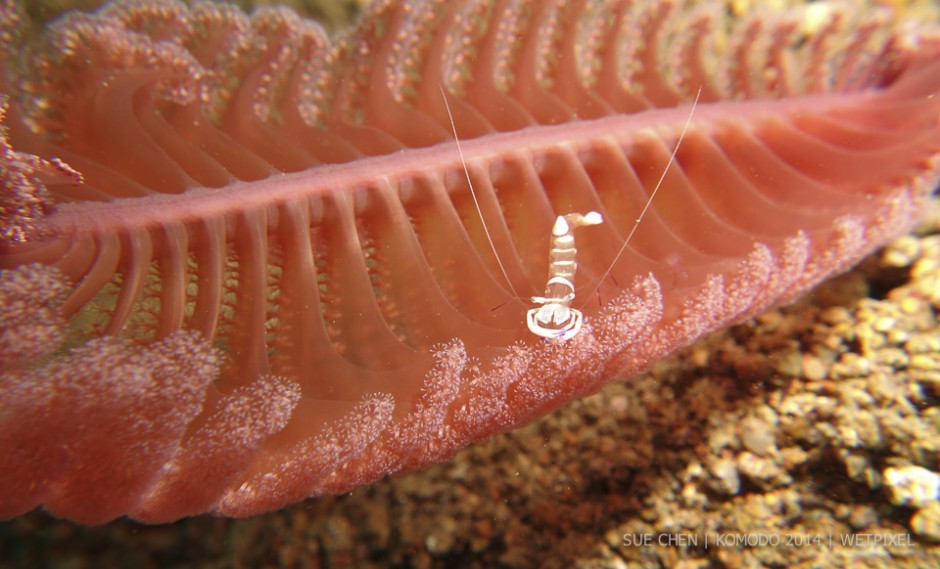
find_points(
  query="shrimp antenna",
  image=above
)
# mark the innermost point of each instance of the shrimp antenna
(476, 202)
(649, 202)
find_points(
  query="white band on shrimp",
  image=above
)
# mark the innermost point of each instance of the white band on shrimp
(555, 319)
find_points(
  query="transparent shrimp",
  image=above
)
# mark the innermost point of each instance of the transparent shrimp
(555, 319)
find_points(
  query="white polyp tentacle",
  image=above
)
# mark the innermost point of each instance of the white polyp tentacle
(555, 319)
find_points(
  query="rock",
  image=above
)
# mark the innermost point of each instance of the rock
(926, 522)
(912, 486)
